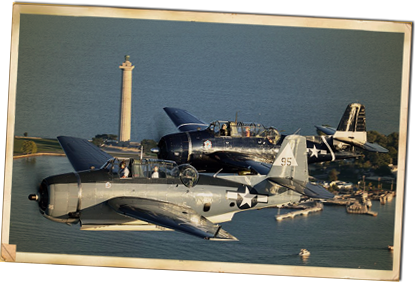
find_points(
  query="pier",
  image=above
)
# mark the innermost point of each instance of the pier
(336, 201)
(361, 205)
(385, 197)
(356, 203)
(318, 207)
(358, 207)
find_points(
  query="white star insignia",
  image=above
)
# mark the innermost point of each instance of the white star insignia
(314, 152)
(247, 197)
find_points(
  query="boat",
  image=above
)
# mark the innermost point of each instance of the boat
(304, 253)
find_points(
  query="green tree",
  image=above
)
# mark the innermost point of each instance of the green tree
(97, 141)
(333, 175)
(29, 147)
(100, 139)
(147, 145)
(376, 160)
(383, 170)
(107, 136)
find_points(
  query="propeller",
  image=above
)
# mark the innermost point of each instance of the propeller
(37, 180)
(42, 195)
(162, 127)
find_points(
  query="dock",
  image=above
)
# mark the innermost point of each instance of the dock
(372, 213)
(318, 207)
(337, 202)
(388, 197)
(361, 206)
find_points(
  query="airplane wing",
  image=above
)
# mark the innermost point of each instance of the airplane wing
(82, 154)
(261, 168)
(239, 160)
(184, 120)
(169, 215)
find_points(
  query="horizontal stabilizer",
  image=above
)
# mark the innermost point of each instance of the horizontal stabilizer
(326, 129)
(316, 191)
(185, 121)
(82, 154)
(373, 147)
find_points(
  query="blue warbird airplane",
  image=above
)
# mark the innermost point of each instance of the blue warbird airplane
(236, 146)
(101, 196)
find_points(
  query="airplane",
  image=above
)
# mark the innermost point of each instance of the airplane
(181, 199)
(250, 147)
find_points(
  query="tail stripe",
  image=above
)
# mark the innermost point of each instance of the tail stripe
(333, 156)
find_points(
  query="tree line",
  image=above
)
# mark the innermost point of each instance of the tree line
(380, 161)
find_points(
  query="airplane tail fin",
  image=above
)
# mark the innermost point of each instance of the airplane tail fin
(290, 168)
(352, 126)
(352, 129)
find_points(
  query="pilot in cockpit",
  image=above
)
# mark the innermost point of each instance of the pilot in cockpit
(224, 130)
(247, 132)
(124, 170)
(155, 173)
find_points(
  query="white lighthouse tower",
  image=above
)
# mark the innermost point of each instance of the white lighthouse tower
(125, 115)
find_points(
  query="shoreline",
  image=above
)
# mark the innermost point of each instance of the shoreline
(38, 155)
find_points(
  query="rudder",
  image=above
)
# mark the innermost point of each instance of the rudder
(352, 126)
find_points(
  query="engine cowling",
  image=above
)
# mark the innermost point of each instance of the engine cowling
(175, 147)
(58, 198)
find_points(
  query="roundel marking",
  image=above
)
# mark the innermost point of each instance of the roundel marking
(207, 144)
(246, 197)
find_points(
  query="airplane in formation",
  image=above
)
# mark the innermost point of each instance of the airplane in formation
(107, 193)
(236, 146)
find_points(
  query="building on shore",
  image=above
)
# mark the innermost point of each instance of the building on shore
(124, 145)
(126, 99)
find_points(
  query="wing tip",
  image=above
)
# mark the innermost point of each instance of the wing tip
(222, 235)
(223, 239)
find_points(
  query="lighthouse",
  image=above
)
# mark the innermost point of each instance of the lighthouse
(125, 115)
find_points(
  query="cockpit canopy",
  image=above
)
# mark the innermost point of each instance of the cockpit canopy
(146, 168)
(241, 129)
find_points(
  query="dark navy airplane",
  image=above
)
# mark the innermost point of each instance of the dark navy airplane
(232, 146)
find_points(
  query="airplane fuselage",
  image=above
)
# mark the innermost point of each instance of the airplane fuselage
(211, 152)
(86, 197)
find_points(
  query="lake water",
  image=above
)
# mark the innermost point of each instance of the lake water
(69, 81)
(334, 238)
